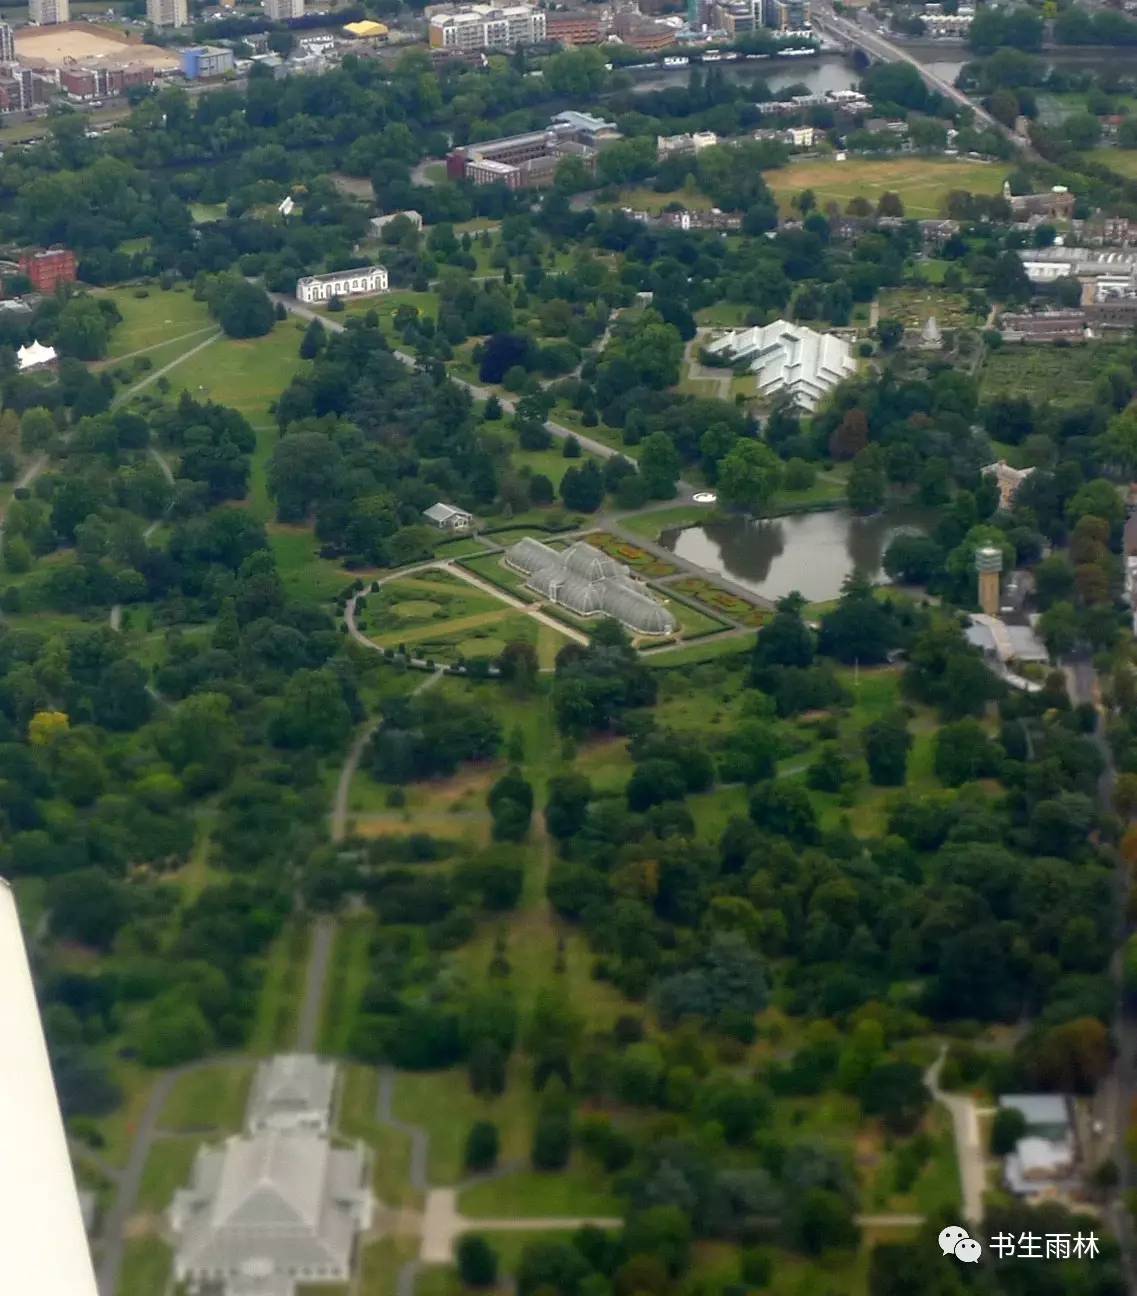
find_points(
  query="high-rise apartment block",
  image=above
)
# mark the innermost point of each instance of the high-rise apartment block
(283, 10)
(167, 13)
(7, 44)
(45, 13)
(487, 27)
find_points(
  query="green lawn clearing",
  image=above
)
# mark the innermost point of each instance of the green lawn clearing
(278, 1011)
(167, 1169)
(579, 1190)
(155, 319)
(146, 1266)
(246, 374)
(922, 183)
(306, 576)
(347, 979)
(212, 1098)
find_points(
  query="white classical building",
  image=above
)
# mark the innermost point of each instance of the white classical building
(292, 1091)
(265, 1214)
(380, 223)
(789, 357)
(365, 281)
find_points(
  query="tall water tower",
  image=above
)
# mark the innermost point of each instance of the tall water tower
(989, 563)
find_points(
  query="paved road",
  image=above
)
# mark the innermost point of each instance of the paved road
(315, 979)
(969, 1153)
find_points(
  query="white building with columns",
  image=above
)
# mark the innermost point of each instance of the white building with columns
(365, 281)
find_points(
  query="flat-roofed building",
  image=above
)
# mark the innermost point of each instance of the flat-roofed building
(366, 281)
(574, 27)
(488, 27)
(526, 161)
(283, 10)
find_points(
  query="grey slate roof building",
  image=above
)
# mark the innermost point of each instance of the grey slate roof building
(265, 1213)
(589, 583)
(292, 1091)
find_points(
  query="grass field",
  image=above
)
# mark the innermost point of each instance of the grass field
(212, 1098)
(167, 1169)
(146, 1266)
(580, 1189)
(275, 1027)
(157, 318)
(922, 183)
(247, 375)
(305, 574)
(347, 980)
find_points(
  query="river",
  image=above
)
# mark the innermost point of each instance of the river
(808, 552)
(826, 72)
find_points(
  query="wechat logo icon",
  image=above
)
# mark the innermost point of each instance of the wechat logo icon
(956, 1241)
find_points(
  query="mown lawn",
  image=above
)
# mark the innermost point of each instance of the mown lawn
(146, 1266)
(581, 1189)
(306, 576)
(922, 183)
(347, 979)
(274, 1029)
(212, 1098)
(156, 318)
(245, 374)
(167, 1169)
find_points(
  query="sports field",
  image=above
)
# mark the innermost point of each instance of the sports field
(922, 183)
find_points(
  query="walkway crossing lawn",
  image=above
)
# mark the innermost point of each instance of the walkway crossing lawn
(245, 374)
(922, 183)
(278, 1012)
(167, 1169)
(440, 632)
(391, 1148)
(213, 1098)
(581, 1189)
(157, 317)
(146, 1265)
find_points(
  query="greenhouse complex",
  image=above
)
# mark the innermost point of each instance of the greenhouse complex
(587, 582)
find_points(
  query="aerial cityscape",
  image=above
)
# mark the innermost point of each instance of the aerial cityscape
(568, 648)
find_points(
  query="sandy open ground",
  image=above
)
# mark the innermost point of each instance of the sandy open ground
(73, 43)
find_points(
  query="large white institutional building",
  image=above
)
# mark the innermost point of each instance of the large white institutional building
(366, 281)
(788, 357)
